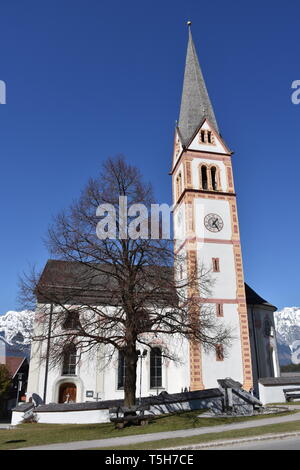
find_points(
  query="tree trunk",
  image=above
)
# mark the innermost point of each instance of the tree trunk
(130, 375)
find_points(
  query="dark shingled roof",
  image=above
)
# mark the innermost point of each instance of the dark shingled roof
(79, 282)
(72, 281)
(195, 102)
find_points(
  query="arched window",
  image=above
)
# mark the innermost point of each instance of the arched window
(121, 370)
(155, 368)
(204, 182)
(71, 321)
(219, 352)
(69, 360)
(213, 173)
(178, 186)
(206, 137)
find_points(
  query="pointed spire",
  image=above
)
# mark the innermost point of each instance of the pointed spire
(195, 102)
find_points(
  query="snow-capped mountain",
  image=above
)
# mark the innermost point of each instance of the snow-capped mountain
(287, 323)
(16, 328)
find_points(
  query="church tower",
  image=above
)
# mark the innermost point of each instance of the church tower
(206, 228)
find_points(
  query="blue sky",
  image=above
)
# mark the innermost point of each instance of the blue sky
(88, 79)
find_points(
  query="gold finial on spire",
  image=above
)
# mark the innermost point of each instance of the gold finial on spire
(189, 23)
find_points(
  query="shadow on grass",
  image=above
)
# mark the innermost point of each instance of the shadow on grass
(164, 422)
(15, 441)
(191, 418)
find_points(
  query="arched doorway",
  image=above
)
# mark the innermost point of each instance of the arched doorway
(67, 393)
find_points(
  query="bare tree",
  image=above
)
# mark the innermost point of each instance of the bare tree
(120, 292)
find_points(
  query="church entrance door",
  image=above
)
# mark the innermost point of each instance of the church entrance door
(67, 393)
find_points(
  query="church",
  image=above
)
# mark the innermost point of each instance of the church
(206, 229)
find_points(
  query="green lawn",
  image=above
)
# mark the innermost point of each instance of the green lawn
(206, 438)
(25, 435)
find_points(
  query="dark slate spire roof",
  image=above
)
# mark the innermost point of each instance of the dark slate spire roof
(195, 102)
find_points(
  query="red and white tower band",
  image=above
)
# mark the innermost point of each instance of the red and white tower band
(206, 227)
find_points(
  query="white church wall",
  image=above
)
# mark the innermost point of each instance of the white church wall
(65, 417)
(174, 373)
(273, 394)
(38, 351)
(98, 375)
(227, 287)
(231, 365)
(202, 207)
(224, 281)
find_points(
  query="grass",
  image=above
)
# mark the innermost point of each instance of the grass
(27, 435)
(211, 437)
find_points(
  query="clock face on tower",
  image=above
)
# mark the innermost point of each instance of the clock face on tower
(213, 222)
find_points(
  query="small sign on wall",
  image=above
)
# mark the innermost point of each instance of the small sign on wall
(89, 394)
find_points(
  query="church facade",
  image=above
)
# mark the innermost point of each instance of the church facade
(206, 231)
